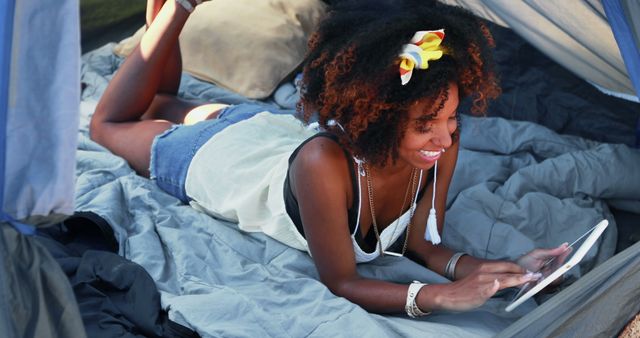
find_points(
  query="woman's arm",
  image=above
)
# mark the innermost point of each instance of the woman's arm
(321, 181)
(170, 81)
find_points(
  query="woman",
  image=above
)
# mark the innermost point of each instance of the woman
(384, 80)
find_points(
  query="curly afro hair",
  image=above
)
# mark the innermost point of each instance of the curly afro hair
(352, 75)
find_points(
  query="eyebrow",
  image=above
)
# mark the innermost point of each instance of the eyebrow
(425, 118)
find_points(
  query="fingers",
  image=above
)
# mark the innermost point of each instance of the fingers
(510, 280)
(548, 253)
(559, 250)
(472, 292)
(540, 258)
(502, 267)
(564, 255)
(506, 280)
(468, 294)
(492, 289)
(557, 262)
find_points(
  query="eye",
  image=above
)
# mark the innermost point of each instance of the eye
(423, 129)
(423, 125)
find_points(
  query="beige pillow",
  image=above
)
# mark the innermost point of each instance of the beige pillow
(247, 46)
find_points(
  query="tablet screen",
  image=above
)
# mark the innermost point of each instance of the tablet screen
(583, 244)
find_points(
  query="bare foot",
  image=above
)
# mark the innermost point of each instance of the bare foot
(204, 112)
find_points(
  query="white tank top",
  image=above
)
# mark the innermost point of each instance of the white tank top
(390, 234)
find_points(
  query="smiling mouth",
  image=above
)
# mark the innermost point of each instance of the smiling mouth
(431, 155)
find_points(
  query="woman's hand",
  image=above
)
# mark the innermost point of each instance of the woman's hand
(154, 6)
(545, 260)
(475, 289)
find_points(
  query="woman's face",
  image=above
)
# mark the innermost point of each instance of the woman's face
(427, 136)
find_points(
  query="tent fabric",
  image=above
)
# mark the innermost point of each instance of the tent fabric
(621, 19)
(37, 300)
(632, 14)
(6, 32)
(537, 89)
(42, 111)
(575, 34)
(39, 64)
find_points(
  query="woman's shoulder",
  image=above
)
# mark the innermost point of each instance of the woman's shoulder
(322, 151)
(322, 157)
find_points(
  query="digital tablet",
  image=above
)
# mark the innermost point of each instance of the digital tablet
(532, 288)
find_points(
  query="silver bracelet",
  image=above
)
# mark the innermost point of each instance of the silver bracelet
(186, 4)
(450, 268)
(410, 306)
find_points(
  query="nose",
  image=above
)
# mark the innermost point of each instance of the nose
(441, 136)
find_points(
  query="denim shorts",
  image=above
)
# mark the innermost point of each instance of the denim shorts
(173, 150)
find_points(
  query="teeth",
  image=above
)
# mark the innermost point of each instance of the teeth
(430, 153)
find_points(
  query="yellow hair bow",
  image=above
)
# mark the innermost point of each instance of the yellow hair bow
(423, 47)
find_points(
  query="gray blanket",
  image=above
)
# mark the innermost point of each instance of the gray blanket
(517, 186)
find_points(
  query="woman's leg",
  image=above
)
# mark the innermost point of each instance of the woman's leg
(152, 68)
